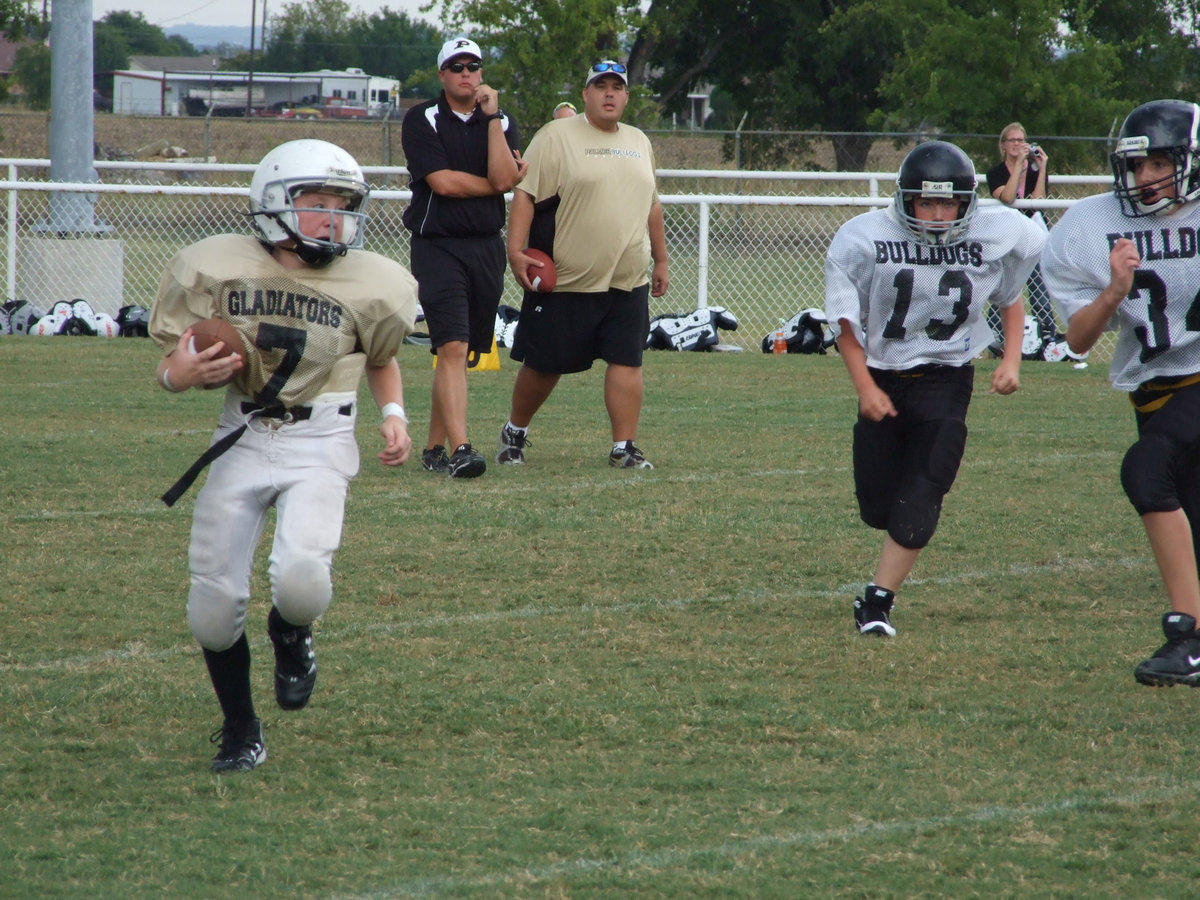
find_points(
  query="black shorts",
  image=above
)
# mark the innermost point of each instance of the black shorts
(925, 437)
(560, 333)
(459, 283)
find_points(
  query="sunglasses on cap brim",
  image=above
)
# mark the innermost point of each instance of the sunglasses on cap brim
(602, 67)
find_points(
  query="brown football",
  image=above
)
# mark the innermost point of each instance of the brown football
(207, 332)
(545, 277)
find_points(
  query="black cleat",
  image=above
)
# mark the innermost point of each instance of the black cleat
(242, 747)
(465, 462)
(435, 459)
(295, 663)
(1178, 660)
(873, 615)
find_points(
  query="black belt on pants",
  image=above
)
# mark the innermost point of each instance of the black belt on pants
(283, 414)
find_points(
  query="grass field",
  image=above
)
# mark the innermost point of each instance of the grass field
(565, 680)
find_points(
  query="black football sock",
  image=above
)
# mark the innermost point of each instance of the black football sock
(277, 624)
(229, 671)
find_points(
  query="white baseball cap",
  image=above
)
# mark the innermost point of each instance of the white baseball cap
(459, 46)
(607, 67)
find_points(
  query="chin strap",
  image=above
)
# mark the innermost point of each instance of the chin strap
(313, 254)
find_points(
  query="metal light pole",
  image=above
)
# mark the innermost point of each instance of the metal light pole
(250, 80)
(63, 257)
(72, 123)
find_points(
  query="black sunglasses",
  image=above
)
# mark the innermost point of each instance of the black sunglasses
(457, 67)
(609, 67)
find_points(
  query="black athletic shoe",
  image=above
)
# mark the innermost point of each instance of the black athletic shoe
(465, 462)
(873, 614)
(628, 457)
(242, 747)
(435, 459)
(295, 664)
(1178, 660)
(512, 447)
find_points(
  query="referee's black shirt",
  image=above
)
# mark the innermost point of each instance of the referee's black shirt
(434, 138)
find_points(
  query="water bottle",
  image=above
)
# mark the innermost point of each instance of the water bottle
(779, 345)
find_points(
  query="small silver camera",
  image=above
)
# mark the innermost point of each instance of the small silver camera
(1034, 151)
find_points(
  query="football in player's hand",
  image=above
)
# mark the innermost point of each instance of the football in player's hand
(543, 279)
(207, 332)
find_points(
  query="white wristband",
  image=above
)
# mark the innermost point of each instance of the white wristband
(394, 409)
(165, 380)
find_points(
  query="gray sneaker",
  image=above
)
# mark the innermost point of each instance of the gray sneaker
(628, 457)
(512, 447)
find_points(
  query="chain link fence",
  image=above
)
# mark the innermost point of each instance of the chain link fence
(751, 242)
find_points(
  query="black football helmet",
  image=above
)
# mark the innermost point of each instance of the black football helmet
(1160, 126)
(936, 169)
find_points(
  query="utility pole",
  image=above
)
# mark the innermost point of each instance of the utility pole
(250, 80)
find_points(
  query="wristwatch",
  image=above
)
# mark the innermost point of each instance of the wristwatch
(495, 115)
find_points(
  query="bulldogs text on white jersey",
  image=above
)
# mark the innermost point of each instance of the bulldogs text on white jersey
(913, 304)
(1159, 320)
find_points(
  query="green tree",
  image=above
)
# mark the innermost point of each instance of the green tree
(325, 34)
(130, 30)
(392, 44)
(907, 65)
(31, 70)
(309, 36)
(538, 51)
(19, 18)
(1024, 65)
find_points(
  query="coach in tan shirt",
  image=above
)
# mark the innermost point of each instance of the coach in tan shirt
(589, 200)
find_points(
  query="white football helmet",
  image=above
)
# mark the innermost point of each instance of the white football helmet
(301, 166)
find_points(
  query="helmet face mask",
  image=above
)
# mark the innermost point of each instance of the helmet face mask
(936, 170)
(1165, 128)
(307, 166)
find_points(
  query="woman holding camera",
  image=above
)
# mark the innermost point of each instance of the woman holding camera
(1022, 176)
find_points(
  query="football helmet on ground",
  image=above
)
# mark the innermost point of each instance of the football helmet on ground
(936, 169)
(302, 166)
(1168, 127)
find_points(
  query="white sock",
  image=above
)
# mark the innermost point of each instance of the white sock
(517, 428)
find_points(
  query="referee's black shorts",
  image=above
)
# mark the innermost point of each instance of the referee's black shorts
(459, 283)
(563, 332)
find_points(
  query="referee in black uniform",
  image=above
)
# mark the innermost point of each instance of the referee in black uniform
(462, 154)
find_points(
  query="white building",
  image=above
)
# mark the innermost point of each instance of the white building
(193, 86)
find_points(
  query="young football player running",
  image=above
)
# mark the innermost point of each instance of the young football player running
(1126, 261)
(312, 313)
(905, 289)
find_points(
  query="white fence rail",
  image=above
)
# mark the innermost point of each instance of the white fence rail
(752, 242)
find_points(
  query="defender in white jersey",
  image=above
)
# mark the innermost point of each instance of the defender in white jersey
(313, 314)
(1128, 261)
(905, 290)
